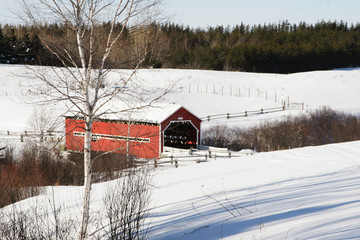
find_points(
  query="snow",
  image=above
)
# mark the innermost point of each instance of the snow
(157, 113)
(270, 194)
(294, 194)
(306, 193)
(209, 92)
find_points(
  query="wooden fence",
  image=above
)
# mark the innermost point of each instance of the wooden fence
(243, 114)
(51, 136)
(296, 106)
(235, 91)
(196, 156)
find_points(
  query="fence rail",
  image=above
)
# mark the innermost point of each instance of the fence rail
(42, 136)
(295, 106)
(197, 156)
(243, 114)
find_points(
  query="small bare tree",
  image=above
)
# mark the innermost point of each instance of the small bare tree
(43, 122)
(83, 83)
(126, 205)
(45, 222)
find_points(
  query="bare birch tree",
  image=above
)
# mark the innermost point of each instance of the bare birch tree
(83, 81)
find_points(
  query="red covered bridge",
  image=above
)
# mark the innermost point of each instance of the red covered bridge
(145, 133)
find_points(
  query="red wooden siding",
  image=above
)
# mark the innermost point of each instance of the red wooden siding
(112, 135)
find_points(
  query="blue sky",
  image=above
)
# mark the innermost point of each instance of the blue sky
(204, 13)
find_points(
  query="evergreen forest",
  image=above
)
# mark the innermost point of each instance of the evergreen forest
(272, 48)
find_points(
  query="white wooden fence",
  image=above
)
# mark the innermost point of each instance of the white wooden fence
(47, 136)
(193, 155)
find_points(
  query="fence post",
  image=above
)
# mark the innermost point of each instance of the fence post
(176, 163)
(229, 154)
(171, 159)
(197, 160)
(288, 101)
(262, 111)
(209, 153)
(228, 115)
(245, 113)
(205, 157)
(155, 163)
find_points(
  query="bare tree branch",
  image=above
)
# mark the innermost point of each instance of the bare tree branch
(83, 83)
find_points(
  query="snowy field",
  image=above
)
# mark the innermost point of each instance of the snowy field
(209, 92)
(308, 193)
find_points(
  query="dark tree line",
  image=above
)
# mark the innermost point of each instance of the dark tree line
(278, 48)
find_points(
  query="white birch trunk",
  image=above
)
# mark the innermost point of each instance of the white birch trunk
(128, 145)
(87, 179)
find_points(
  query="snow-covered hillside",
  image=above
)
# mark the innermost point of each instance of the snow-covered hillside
(209, 92)
(308, 193)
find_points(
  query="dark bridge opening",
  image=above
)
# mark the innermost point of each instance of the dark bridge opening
(180, 135)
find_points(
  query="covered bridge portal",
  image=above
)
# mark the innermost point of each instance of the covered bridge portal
(172, 126)
(181, 130)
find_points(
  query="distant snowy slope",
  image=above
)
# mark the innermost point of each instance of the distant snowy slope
(337, 88)
(209, 92)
